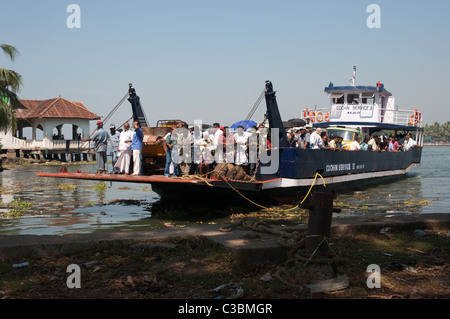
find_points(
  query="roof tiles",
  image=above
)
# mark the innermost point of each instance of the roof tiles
(54, 108)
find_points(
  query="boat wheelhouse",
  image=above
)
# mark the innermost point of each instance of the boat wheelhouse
(369, 108)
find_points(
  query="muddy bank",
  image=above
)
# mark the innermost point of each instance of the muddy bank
(192, 267)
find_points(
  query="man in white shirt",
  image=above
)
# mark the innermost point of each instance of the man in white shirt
(315, 140)
(373, 143)
(409, 142)
(356, 145)
(124, 148)
(216, 136)
(241, 139)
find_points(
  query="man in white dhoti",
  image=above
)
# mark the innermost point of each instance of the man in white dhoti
(184, 147)
(229, 145)
(197, 135)
(241, 139)
(124, 148)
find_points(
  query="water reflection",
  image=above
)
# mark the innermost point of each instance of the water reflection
(403, 196)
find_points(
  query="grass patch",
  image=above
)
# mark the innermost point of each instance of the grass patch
(21, 204)
(100, 186)
(17, 209)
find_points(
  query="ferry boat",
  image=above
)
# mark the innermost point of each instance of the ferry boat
(363, 109)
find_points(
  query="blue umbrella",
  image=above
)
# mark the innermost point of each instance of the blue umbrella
(245, 124)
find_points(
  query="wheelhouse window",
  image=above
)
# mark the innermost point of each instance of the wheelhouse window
(368, 98)
(353, 99)
(337, 98)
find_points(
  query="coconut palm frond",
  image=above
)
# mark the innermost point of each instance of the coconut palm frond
(9, 97)
(8, 120)
(9, 50)
(10, 78)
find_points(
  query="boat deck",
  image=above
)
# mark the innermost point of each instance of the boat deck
(158, 181)
(121, 178)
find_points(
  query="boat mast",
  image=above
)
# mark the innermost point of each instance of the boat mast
(353, 79)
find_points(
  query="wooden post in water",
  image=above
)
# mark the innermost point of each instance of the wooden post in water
(319, 222)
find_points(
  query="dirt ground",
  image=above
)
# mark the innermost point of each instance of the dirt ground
(191, 268)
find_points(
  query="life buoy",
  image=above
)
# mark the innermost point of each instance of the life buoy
(312, 116)
(414, 119)
(305, 113)
(327, 117)
(319, 119)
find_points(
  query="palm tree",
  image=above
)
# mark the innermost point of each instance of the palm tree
(8, 99)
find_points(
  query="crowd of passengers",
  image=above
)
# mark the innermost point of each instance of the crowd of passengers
(205, 145)
(236, 146)
(318, 139)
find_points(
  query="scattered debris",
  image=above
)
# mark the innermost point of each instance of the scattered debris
(411, 269)
(231, 290)
(130, 282)
(386, 231)
(91, 263)
(96, 269)
(419, 233)
(330, 285)
(266, 277)
(24, 264)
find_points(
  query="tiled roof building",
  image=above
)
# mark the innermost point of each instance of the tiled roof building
(46, 118)
(54, 108)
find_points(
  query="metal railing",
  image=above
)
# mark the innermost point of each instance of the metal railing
(69, 145)
(402, 117)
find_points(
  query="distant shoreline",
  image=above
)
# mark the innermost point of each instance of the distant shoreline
(26, 162)
(437, 144)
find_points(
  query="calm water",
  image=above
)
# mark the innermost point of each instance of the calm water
(36, 205)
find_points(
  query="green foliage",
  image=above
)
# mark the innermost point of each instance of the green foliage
(21, 204)
(438, 132)
(100, 186)
(9, 100)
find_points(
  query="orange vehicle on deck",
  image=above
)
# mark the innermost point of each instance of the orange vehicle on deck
(154, 147)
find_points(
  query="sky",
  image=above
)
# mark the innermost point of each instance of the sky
(208, 59)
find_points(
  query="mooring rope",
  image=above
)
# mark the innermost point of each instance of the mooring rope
(307, 194)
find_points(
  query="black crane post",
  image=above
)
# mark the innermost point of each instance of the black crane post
(138, 112)
(273, 114)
